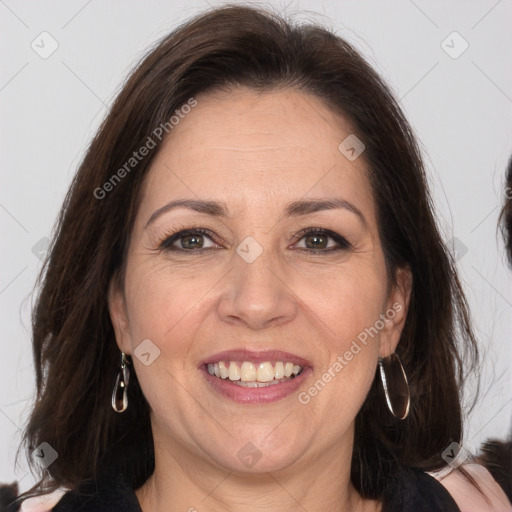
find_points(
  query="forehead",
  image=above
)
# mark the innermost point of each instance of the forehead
(257, 150)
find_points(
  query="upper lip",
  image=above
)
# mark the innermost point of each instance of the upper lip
(259, 356)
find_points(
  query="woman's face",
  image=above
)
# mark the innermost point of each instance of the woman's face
(254, 290)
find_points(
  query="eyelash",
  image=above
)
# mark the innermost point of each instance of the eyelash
(166, 243)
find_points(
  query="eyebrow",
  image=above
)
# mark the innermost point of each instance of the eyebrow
(293, 209)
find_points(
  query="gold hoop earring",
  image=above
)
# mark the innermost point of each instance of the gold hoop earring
(120, 391)
(396, 387)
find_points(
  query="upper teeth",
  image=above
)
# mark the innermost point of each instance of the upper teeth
(250, 372)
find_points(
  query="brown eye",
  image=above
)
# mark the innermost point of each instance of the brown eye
(189, 241)
(316, 241)
(321, 240)
(192, 241)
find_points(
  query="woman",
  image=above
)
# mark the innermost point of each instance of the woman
(247, 303)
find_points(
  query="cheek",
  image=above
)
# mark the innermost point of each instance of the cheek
(162, 301)
(164, 306)
(348, 306)
(346, 301)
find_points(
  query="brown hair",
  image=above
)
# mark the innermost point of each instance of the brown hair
(75, 353)
(505, 219)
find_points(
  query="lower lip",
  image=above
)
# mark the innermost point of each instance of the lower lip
(265, 394)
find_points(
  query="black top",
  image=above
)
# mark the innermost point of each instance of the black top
(409, 491)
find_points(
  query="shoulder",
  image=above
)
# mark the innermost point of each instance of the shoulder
(110, 493)
(411, 489)
(468, 498)
(43, 503)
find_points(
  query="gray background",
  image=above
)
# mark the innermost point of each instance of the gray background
(459, 107)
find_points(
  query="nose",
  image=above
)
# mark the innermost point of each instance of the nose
(257, 294)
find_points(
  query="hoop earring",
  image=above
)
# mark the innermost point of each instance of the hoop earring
(120, 391)
(396, 387)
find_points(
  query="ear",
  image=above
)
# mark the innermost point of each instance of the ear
(118, 315)
(395, 313)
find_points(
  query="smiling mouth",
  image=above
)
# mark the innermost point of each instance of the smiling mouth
(254, 375)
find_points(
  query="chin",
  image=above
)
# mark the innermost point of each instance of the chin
(247, 457)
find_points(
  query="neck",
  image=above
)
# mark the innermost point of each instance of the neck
(188, 482)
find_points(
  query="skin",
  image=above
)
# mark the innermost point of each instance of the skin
(256, 153)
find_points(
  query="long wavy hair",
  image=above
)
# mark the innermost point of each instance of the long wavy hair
(75, 353)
